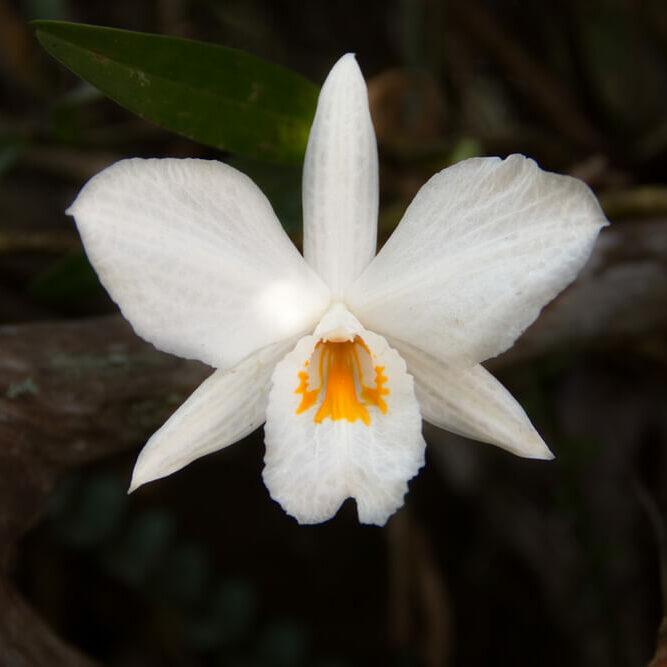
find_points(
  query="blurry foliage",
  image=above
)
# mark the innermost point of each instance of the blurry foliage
(625, 69)
(68, 279)
(218, 616)
(52, 10)
(10, 151)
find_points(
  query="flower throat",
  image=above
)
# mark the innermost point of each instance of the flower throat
(342, 368)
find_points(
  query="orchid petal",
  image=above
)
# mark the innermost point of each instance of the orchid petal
(194, 255)
(482, 248)
(471, 403)
(225, 408)
(315, 460)
(340, 180)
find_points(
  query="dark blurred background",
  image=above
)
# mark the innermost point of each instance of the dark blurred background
(494, 560)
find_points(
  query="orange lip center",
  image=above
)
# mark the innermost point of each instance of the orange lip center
(341, 367)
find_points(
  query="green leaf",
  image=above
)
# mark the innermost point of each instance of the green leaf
(218, 96)
(68, 280)
(282, 186)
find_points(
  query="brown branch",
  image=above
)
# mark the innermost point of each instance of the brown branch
(70, 393)
(74, 392)
(51, 242)
(26, 641)
(657, 522)
(419, 607)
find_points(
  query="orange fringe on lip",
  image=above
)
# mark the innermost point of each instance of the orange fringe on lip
(341, 373)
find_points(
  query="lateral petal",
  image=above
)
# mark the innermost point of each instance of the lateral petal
(340, 180)
(225, 408)
(195, 257)
(472, 403)
(482, 248)
(322, 449)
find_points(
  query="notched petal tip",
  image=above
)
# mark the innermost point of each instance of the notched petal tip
(583, 203)
(483, 247)
(193, 254)
(88, 195)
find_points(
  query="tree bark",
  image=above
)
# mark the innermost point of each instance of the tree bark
(70, 393)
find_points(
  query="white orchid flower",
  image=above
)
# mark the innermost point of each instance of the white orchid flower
(340, 352)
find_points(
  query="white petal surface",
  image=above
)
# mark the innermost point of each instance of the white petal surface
(340, 180)
(195, 257)
(472, 403)
(311, 468)
(226, 407)
(482, 248)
